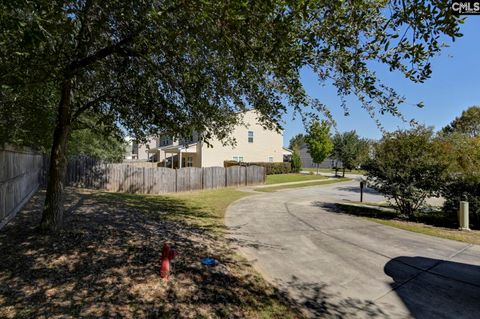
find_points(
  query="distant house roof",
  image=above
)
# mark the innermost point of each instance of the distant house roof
(287, 151)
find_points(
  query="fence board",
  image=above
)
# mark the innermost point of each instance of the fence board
(20, 170)
(189, 179)
(213, 177)
(88, 173)
(255, 175)
(235, 176)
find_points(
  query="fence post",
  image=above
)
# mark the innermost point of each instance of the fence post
(226, 173)
(463, 216)
(176, 180)
(246, 175)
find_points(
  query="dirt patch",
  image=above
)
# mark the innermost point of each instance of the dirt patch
(105, 263)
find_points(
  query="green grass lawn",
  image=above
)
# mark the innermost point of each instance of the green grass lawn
(204, 209)
(286, 178)
(329, 170)
(471, 237)
(391, 218)
(306, 184)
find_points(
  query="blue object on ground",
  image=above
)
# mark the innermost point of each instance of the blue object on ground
(208, 261)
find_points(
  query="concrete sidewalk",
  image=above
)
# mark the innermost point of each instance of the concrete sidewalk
(337, 265)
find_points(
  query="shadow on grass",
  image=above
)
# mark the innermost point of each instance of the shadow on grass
(431, 217)
(105, 263)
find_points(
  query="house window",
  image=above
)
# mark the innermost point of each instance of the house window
(270, 159)
(238, 158)
(165, 140)
(134, 148)
(250, 136)
(189, 161)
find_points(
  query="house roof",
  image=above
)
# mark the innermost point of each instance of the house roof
(287, 151)
(191, 148)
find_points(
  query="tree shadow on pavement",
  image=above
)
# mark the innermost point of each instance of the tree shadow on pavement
(319, 302)
(356, 189)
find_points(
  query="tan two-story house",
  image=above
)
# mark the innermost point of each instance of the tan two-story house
(254, 144)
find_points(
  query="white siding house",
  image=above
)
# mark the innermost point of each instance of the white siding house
(254, 144)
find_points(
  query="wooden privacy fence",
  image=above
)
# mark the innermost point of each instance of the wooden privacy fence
(131, 179)
(20, 172)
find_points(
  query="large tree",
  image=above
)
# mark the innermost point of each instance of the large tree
(468, 123)
(319, 141)
(152, 65)
(349, 148)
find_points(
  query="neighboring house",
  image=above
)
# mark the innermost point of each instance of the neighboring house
(287, 154)
(307, 161)
(254, 144)
(140, 152)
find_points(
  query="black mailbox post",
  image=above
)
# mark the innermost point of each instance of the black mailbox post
(362, 184)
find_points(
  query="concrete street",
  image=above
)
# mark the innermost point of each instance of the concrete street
(337, 265)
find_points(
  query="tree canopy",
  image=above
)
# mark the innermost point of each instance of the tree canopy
(350, 149)
(177, 66)
(296, 142)
(468, 123)
(319, 141)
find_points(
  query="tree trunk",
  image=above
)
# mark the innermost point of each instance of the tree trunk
(343, 173)
(52, 217)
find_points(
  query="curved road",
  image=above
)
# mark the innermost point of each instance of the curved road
(337, 265)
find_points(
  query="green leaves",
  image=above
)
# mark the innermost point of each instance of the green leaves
(318, 140)
(182, 66)
(350, 149)
(408, 166)
(467, 124)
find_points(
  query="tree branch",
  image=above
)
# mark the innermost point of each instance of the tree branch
(86, 106)
(100, 54)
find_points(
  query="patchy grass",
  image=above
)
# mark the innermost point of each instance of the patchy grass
(288, 186)
(471, 237)
(329, 170)
(387, 216)
(203, 209)
(287, 178)
(105, 263)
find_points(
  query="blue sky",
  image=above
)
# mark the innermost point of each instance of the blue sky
(452, 88)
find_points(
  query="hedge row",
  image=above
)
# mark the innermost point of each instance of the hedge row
(271, 168)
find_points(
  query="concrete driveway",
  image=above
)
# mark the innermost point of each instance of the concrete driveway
(337, 265)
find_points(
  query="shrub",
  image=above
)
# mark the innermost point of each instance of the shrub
(464, 179)
(296, 162)
(463, 188)
(408, 167)
(271, 168)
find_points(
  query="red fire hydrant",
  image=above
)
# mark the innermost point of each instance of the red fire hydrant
(167, 255)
